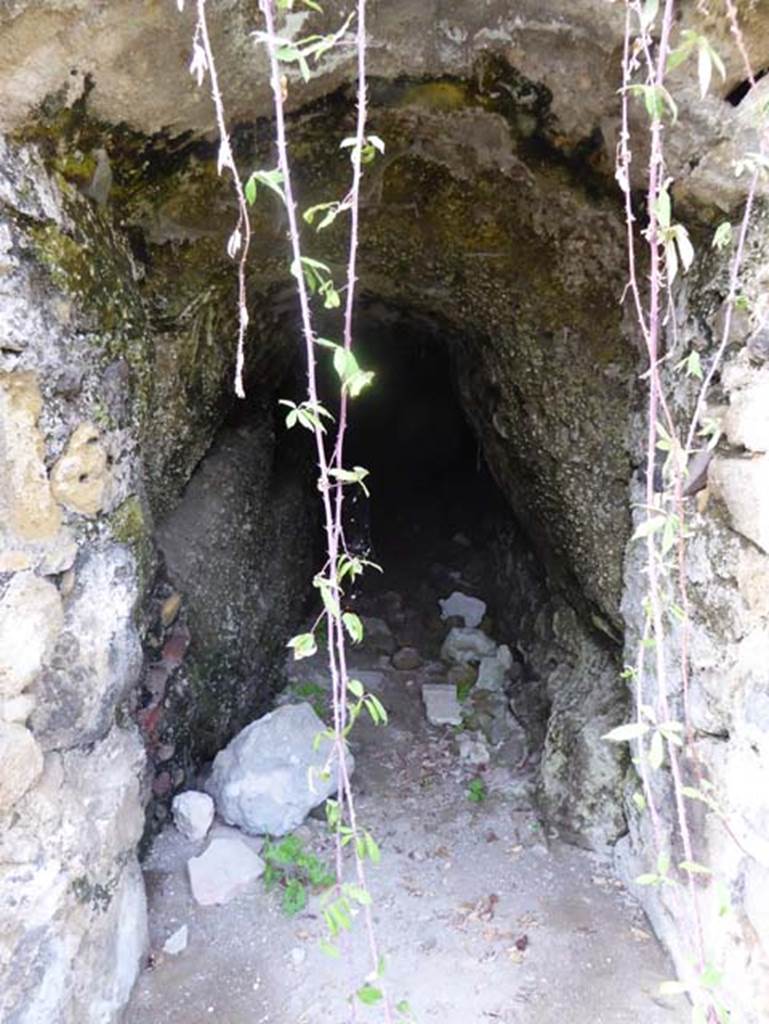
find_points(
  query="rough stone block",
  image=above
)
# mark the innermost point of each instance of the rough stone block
(16, 709)
(27, 506)
(260, 781)
(493, 673)
(464, 645)
(97, 655)
(193, 813)
(743, 484)
(21, 763)
(80, 478)
(226, 868)
(471, 609)
(31, 618)
(746, 422)
(441, 704)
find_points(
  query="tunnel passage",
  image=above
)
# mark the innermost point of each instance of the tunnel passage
(246, 538)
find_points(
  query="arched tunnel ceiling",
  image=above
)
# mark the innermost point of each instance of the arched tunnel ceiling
(132, 57)
(494, 210)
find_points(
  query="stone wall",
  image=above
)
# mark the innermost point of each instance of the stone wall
(727, 570)
(70, 807)
(106, 406)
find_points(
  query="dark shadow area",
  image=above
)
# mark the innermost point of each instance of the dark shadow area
(736, 95)
(429, 481)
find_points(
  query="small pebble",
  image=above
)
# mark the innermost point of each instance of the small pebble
(177, 942)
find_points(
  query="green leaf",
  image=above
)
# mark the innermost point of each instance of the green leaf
(358, 382)
(663, 862)
(640, 801)
(270, 179)
(369, 995)
(345, 364)
(679, 55)
(372, 850)
(711, 977)
(329, 949)
(354, 626)
(355, 686)
(330, 212)
(695, 794)
(648, 880)
(704, 69)
(693, 365)
(356, 475)
(376, 709)
(662, 208)
(331, 297)
(625, 733)
(303, 645)
(476, 791)
(294, 897)
(722, 237)
(671, 260)
(358, 893)
(684, 246)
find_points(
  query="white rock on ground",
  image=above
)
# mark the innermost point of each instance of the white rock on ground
(193, 813)
(226, 868)
(493, 673)
(260, 781)
(464, 645)
(177, 942)
(441, 704)
(471, 609)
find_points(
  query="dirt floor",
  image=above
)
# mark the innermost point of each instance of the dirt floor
(481, 915)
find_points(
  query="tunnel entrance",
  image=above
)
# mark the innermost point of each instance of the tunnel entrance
(470, 800)
(245, 541)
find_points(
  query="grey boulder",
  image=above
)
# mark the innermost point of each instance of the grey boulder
(270, 776)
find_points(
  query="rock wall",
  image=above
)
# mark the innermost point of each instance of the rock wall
(108, 400)
(727, 572)
(71, 814)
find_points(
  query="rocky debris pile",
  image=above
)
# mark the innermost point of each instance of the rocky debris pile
(273, 773)
(474, 690)
(264, 783)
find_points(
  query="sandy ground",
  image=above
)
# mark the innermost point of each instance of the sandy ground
(481, 916)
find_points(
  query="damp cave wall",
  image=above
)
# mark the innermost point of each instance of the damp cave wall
(115, 370)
